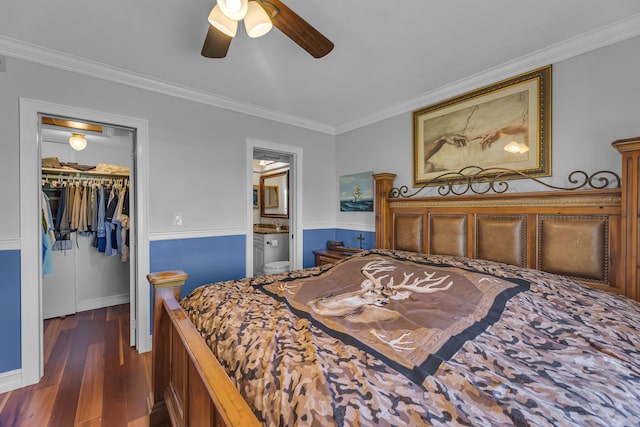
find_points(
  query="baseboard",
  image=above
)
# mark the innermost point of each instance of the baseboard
(10, 380)
(93, 304)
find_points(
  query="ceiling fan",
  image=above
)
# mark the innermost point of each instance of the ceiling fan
(259, 17)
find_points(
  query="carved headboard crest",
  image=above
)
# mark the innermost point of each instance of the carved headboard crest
(478, 180)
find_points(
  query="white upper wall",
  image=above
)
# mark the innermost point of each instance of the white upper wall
(196, 152)
(594, 102)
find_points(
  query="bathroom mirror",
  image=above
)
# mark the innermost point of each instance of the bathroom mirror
(274, 195)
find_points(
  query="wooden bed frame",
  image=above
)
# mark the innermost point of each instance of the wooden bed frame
(589, 235)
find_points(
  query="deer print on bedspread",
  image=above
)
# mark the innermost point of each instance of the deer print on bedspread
(412, 315)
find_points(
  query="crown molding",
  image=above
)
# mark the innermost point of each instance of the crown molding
(600, 37)
(64, 61)
(604, 36)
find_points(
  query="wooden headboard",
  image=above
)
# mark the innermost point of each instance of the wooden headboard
(588, 235)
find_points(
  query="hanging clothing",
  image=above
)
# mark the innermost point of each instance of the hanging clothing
(88, 207)
(75, 210)
(48, 236)
(61, 209)
(123, 220)
(102, 228)
(109, 226)
(82, 212)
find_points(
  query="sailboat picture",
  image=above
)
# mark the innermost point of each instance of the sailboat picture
(356, 192)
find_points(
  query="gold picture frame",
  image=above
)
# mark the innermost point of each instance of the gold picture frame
(500, 127)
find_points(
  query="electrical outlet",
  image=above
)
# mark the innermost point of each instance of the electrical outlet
(3, 63)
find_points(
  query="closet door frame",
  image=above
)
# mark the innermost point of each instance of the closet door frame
(32, 348)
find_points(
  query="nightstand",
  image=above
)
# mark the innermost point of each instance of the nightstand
(329, 256)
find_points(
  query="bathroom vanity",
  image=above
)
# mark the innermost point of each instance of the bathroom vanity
(269, 246)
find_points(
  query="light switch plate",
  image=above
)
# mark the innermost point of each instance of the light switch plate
(177, 218)
(3, 63)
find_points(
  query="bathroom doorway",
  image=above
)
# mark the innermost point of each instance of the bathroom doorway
(274, 234)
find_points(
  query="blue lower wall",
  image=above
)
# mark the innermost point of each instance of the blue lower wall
(206, 259)
(213, 259)
(350, 238)
(10, 315)
(312, 240)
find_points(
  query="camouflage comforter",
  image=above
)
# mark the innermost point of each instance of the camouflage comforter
(396, 338)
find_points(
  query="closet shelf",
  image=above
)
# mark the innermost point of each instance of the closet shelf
(79, 173)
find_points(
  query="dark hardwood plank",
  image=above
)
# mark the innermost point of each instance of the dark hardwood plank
(15, 410)
(64, 409)
(51, 332)
(137, 383)
(92, 376)
(41, 406)
(114, 407)
(58, 359)
(90, 399)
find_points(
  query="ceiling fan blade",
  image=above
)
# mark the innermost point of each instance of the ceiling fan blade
(216, 44)
(298, 30)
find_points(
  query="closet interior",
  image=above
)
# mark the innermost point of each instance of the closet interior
(86, 217)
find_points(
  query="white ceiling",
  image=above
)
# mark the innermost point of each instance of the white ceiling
(389, 56)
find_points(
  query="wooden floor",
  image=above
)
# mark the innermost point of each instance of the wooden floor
(91, 376)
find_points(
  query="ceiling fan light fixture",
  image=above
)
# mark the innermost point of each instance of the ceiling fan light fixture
(234, 9)
(77, 141)
(257, 22)
(222, 23)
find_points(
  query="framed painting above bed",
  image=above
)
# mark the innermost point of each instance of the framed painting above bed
(506, 125)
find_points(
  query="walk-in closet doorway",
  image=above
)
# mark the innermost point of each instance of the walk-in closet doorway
(31, 252)
(86, 174)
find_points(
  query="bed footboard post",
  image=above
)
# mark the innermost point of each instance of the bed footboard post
(166, 284)
(630, 150)
(384, 184)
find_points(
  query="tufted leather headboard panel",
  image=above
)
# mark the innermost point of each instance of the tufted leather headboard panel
(502, 238)
(574, 246)
(448, 234)
(566, 233)
(408, 232)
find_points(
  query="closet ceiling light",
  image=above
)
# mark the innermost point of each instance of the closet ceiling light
(77, 141)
